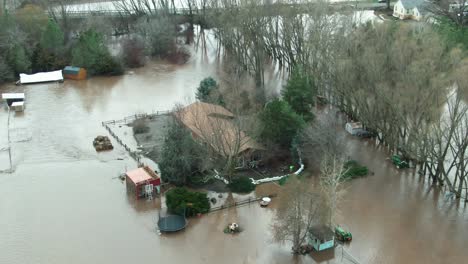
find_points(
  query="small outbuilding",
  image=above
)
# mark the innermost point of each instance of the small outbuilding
(142, 182)
(74, 73)
(11, 98)
(354, 128)
(17, 106)
(321, 237)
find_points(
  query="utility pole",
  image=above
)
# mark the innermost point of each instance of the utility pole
(8, 136)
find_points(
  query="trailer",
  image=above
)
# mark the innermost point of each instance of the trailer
(41, 77)
(11, 98)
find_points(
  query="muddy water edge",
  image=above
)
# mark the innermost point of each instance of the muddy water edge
(63, 203)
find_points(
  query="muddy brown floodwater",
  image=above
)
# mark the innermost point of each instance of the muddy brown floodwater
(63, 204)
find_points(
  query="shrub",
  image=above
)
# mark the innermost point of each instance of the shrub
(241, 184)
(140, 127)
(354, 170)
(133, 52)
(6, 74)
(283, 180)
(180, 199)
(159, 34)
(200, 179)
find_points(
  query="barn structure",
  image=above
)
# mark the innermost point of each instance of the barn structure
(142, 182)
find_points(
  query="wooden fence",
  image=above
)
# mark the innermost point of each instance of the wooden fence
(239, 203)
(126, 120)
(129, 119)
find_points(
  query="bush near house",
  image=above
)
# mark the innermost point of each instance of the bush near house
(140, 127)
(354, 170)
(180, 199)
(243, 184)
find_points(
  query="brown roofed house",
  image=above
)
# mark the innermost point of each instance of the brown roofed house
(217, 127)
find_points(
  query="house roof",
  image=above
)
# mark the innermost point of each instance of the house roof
(71, 70)
(408, 4)
(355, 125)
(215, 125)
(141, 175)
(322, 232)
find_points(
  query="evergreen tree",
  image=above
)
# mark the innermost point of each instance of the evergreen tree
(179, 157)
(280, 123)
(208, 92)
(91, 53)
(299, 92)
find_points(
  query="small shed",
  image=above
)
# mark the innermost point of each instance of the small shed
(142, 181)
(10, 98)
(17, 106)
(74, 73)
(354, 127)
(321, 237)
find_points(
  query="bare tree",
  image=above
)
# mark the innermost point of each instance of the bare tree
(324, 136)
(454, 10)
(331, 179)
(298, 210)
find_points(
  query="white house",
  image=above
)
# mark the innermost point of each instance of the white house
(409, 9)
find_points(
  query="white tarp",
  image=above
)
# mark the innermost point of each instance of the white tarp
(39, 77)
(9, 96)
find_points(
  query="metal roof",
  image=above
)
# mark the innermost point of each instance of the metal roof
(322, 232)
(141, 175)
(17, 103)
(408, 4)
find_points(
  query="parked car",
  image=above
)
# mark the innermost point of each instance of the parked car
(365, 134)
(382, 1)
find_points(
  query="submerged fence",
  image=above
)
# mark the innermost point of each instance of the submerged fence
(239, 203)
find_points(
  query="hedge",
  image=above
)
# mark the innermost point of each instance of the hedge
(354, 170)
(180, 199)
(241, 184)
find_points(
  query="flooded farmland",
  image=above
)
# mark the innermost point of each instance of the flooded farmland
(63, 203)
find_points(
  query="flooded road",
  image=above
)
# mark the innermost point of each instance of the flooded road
(63, 204)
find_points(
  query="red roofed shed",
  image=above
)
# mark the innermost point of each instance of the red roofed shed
(137, 180)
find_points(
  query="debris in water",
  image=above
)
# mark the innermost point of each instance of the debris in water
(102, 143)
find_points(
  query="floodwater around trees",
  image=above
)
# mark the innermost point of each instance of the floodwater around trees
(64, 204)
